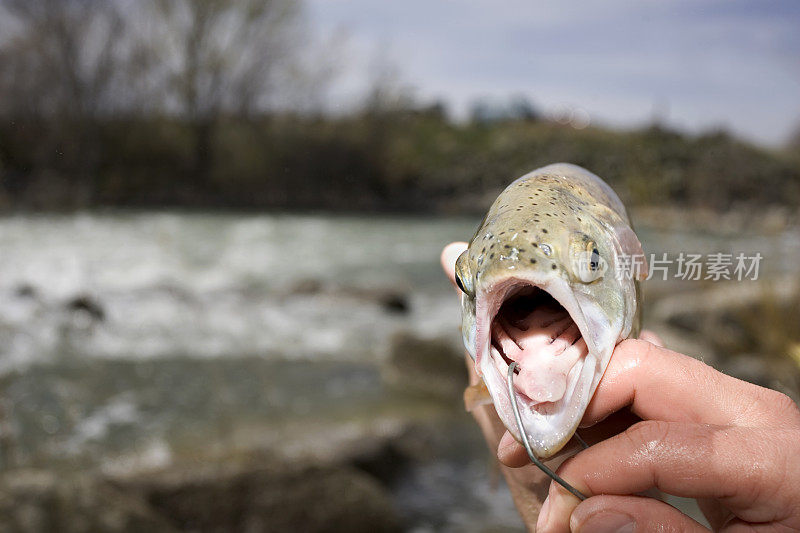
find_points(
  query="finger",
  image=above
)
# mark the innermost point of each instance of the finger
(485, 415)
(448, 259)
(473, 376)
(655, 383)
(716, 514)
(652, 338)
(512, 453)
(629, 513)
(528, 486)
(742, 467)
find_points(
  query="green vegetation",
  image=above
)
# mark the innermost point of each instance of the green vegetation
(212, 103)
(399, 160)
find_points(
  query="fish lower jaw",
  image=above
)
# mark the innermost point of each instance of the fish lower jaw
(549, 425)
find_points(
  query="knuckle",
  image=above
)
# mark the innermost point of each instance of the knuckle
(650, 434)
(645, 350)
(637, 347)
(634, 351)
(779, 406)
(762, 475)
(567, 468)
(573, 472)
(784, 405)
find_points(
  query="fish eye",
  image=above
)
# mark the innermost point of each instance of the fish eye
(588, 265)
(460, 284)
(594, 260)
(464, 274)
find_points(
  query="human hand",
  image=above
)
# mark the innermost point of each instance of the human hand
(528, 485)
(732, 445)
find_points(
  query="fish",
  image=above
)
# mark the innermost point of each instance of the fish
(551, 281)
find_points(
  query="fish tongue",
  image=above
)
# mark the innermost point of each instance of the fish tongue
(540, 377)
(549, 346)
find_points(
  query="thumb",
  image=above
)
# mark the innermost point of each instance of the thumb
(448, 259)
(652, 338)
(629, 514)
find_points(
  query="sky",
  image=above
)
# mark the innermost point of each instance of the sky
(695, 65)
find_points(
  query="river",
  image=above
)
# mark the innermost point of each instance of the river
(129, 339)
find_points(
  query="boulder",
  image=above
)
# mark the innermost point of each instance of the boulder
(34, 501)
(267, 496)
(430, 367)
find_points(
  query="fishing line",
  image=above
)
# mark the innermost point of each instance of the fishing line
(524, 435)
(580, 440)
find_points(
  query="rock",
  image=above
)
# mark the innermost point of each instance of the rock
(88, 306)
(391, 299)
(388, 458)
(722, 296)
(693, 345)
(425, 366)
(306, 286)
(772, 372)
(749, 367)
(746, 328)
(270, 496)
(25, 291)
(35, 501)
(224, 496)
(396, 303)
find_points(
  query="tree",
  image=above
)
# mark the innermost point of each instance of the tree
(66, 62)
(521, 108)
(223, 57)
(793, 144)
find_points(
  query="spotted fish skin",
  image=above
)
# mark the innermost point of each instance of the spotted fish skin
(561, 229)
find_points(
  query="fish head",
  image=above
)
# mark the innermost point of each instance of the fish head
(543, 287)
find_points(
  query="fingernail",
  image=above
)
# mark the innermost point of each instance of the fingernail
(541, 522)
(607, 522)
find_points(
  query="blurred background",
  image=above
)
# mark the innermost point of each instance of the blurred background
(220, 301)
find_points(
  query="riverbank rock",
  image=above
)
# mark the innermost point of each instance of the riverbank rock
(392, 300)
(236, 496)
(388, 458)
(88, 306)
(267, 496)
(306, 286)
(743, 329)
(32, 501)
(430, 367)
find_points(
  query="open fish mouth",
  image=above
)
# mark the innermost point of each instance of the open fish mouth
(544, 329)
(534, 330)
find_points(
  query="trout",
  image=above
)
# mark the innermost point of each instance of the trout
(549, 281)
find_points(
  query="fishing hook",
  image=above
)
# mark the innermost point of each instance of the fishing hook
(524, 436)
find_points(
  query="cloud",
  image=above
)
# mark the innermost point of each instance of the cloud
(715, 63)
